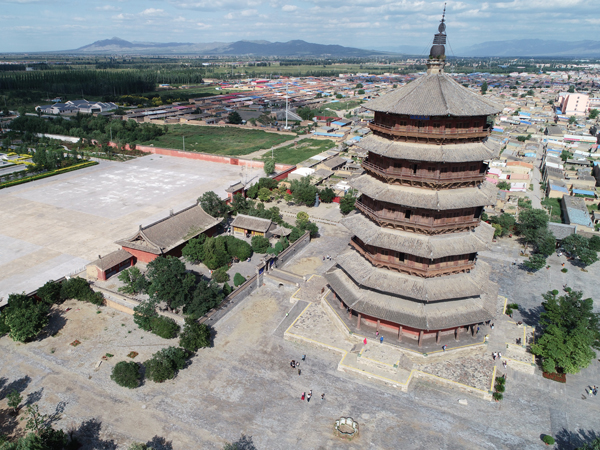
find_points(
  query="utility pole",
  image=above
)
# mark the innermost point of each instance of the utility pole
(286, 105)
(183, 143)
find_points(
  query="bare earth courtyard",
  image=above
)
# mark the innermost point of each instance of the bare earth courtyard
(244, 384)
(51, 227)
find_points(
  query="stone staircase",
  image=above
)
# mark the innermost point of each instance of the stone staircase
(279, 276)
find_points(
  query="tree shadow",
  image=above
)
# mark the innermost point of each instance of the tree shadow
(571, 440)
(159, 443)
(17, 385)
(88, 434)
(34, 397)
(9, 422)
(57, 414)
(56, 323)
(531, 316)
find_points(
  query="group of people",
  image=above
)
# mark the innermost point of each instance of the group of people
(496, 355)
(592, 390)
(296, 364)
(309, 396)
(326, 257)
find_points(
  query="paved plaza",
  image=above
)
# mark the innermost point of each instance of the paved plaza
(55, 226)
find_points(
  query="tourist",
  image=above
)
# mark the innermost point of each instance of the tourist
(308, 397)
(293, 364)
(297, 364)
(500, 355)
(504, 364)
(492, 326)
(377, 333)
(381, 340)
(494, 356)
(303, 357)
(477, 332)
(299, 371)
(443, 348)
(303, 394)
(365, 341)
(323, 396)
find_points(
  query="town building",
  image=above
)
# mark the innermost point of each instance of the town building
(247, 226)
(573, 104)
(412, 266)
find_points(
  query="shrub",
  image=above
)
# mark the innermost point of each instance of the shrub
(237, 248)
(278, 247)
(347, 203)
(497, 396)
(50, 292)
(500, 388)
(4, 328)
(295, 234)
(500, 380)
(547, 439)
(238, 279)
(79, 289)
(503, 185)
(126, 374)
(144, 313)
(564, 270)
(508, 311)
(220, 275)
(269, 166)
(24, 317)
(327, 195)
(226, 289)
(165, 363)
(260, 244)
(134, 280)
(165, 327)
(513, 305)
(194, 335)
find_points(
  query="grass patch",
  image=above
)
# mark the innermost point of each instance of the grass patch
(553, 203)
(338, 106)
(218, 140)
(304, 150)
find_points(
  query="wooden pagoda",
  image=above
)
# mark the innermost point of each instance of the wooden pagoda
(412, 264)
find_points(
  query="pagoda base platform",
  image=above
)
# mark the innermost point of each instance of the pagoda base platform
(422, 323)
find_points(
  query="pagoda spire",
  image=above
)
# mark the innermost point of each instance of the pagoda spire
(437, 54)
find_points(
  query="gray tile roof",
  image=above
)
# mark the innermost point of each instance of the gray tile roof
(422, 245)
(434, 95)
(166, 234)
(251, 223)
(466, 152)
(111, 260)
(419, 315)
(576, 211)
(561, 230)
(414, 197)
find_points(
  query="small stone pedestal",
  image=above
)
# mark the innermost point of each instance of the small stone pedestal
(346, 428)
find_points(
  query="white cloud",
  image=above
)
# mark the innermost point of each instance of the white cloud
(289, 8)
(203, 26)
(151, 12)
(107, 8)
(249, 12)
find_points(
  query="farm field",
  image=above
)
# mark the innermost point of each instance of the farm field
(218, 140)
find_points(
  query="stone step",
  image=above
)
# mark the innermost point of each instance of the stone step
(285, 275)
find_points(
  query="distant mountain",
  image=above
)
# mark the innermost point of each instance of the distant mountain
(256, 48)
(533, 47)
(422, 50)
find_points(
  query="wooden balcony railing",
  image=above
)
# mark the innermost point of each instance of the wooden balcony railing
(387, 220)
(431, 134)
(446, 178)
(430, 272)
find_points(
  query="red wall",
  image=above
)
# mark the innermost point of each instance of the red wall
(204, 157)
(140, 255)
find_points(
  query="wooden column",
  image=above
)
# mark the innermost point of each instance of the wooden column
(378, 322)
(456, 334)
(420, 338)
(473, 331)
(349, 314)
(400, 333)
(437, 337)
(341, 304)
(358, 321)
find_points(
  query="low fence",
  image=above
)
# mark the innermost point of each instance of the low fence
(292, 250)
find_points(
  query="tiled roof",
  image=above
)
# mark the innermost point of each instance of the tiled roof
(112, 259)
(251, 223)
(168, 233)
(434, 95)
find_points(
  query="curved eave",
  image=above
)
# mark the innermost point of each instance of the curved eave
(441, 200)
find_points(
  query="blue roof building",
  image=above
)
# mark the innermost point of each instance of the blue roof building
(575, 211)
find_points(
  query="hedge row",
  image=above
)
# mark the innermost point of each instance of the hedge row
(47, 174)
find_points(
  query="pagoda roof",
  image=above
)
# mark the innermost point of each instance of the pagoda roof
(447, 287)
(431, 247)
(483, 195)
(419, 315)
(447, 153)
(165, 234)
(435, 94)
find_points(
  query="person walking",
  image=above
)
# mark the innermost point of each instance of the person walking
(303, 394)
(500, 355)
(303, 357)
(323, 396)
(504, 364)
(381, 340)
(377, 333)
(365, 341)
(299, 371)
(293, 364)
(443, 348)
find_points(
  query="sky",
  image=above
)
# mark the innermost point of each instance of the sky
(46, 25)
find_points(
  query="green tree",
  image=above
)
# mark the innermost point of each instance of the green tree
(594, 243)
(126, 374)
(143, 314)
(570, 330)
(50, 292)
(237, 248)
(580, 247)
(207, 295)
(220, 275)
(572, 120)
(571, 89)
(238, 279)
(240, 204)
(302, 216)
(215, 253)
(594, 445)
(532, 224)
(484, 88)
(14, 400)
(165, 327)
(535, 262)
(194, 335)
(503, 185)
(303, 192)
(359, 86)
(506, 222)
(165, 363)
(194, 249)
(134, 280)
(593, 114)
(327, 195)
(226, 289)
(25, 317)
(235, 118)
(361, 92)
(170, 282)
(213, 205)
(260, 244)
(269, 166)
(264, 195)
(347, 203)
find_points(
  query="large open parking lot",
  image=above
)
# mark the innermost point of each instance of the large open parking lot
(55, 226)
